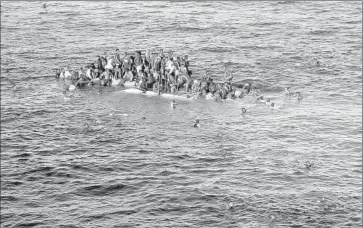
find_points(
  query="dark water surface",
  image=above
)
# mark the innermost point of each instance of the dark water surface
(233, 171)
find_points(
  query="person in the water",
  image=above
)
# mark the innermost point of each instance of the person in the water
(173, 104)
(66, 96)
(288, 91)
(196, 124)
(244, 111)
(261, 99)
(268, 101)
(299, 96)
(14, 88)
(247, 87)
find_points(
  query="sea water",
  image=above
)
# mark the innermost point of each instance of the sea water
(115, 159)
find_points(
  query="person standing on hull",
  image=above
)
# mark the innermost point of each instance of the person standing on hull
(170, 54)
(145, 63)
(126, 64)
(172, 70)
(227, 79)
(103, 62)
(186, 61)
(183, 77)
(227, 75)
(89, 72)
(132, 66)
(164, 74)
(118, 62)
(105, 55)
(148, 58)
(99, 64)
(157, 72)
(97, 72)
(145, 69)
(154, 56)
(161, 54)
(138, 63)
(110, 63)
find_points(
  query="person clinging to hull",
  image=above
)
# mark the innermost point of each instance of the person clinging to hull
(106, 77)
(83, 79)
(150, 78)
(128, 76)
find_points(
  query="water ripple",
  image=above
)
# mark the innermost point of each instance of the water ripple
(295, 165)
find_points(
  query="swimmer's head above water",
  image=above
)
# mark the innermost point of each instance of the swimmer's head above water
(196, 124)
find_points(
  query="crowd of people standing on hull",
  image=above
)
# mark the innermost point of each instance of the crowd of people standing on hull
(147, 70)
(159, 71)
